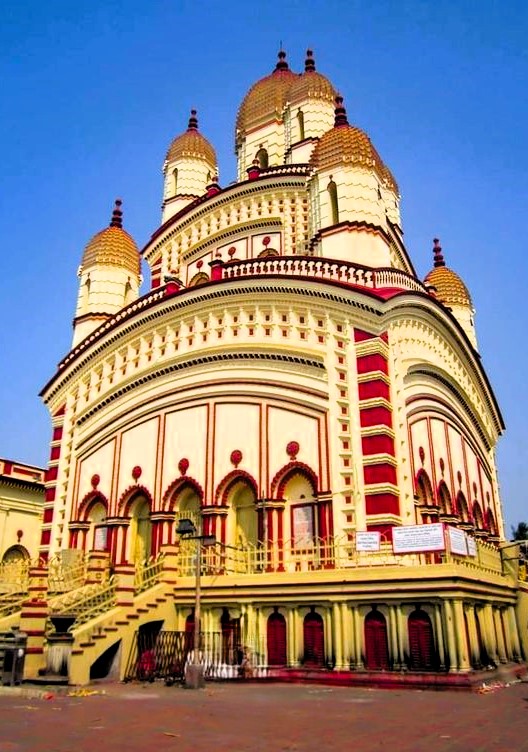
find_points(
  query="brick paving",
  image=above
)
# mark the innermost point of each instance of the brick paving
(238, 717)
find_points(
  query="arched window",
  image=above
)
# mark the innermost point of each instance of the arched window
(15, 555)
(376, 643)
(462, 508)
(313, 633)
(267, 253)
(334, 206)
(300, 121)
(421, 642)
(424, 490)
(276, 640)
(175, 180)
(478, 517)
(243, 518)
(444, 499)
(97, 540)
(140, 530)
(262, 156)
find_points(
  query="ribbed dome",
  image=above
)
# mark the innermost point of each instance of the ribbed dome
(347, 145)
(113, 247)
(267, 97)
(311, 84)
(450, 289)
(191, 144)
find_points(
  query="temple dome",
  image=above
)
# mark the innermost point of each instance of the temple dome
(346, 144)
(191, 144)
(266, 98)
(450, 289)
(113, 246)
(311, 84)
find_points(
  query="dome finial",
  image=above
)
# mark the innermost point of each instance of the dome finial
(282, 65)
(438, 256)
(340, 112)
(193, 122)
(117, 215)
(309, 63)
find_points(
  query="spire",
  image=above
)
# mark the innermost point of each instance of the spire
(438, 256)
(193, 122)
(309, 63)
(117, 215)
(340, 112)
(282, 65)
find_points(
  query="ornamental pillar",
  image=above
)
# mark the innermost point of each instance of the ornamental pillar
(358, 638)
(439, 636)
(347, 635)
(474, 647)
(97, 567)
(501, 647)
(394, 651)
(337, 636)
(490, 639)
(450, 634)
(460, 635)
(514, 633)
(507, 633)
(33, 621)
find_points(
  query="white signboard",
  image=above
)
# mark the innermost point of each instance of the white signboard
(471, 546)
(100, 538)
(457, 541)
(368, 541)
(418, 538)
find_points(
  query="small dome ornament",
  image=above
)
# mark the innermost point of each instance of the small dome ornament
(340, 112)
(449, 287)
(113, 246)
(309, 63)
(192, 145)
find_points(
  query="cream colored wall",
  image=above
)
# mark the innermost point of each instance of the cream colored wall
(270, 137)
(466, 318)
(236, 426)
(185, 436)
(365, 248)
(194, 175)
(20, 510)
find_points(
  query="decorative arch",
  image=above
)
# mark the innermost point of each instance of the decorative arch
(16, 554)
(334, 204)
(129, 496)
(199, 279)
(424, 489)
(444, 498)
(300, 121)
(286, 472)
(262, 157)
(490, 522)
(376, 641)
(462, 507)
(422, 653)
(91, 498)
(268, 253)
(478, 517)
(176, 487)
(226, 484)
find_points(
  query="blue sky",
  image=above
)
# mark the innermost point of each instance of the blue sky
(93, 92)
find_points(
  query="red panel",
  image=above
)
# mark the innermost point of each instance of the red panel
(57, 433)
(360, 335)
(376, 643)
(384, 530)
(369, 363)
(276, 635)
(8, 468)
(50, 494)
(376, 388)
(51, 473)
(383, 503)
(60, 411)
(382, 473)
(55, 453)
(380, 444)
(375, 416)
(45, 537)
(48, 515)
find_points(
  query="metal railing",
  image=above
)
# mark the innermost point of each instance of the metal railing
(148, 573)
(66, 571)
(85, 603)
(321, 554)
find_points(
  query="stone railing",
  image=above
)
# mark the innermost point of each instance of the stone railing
(148, 573)
(84, 604)
(316, 268)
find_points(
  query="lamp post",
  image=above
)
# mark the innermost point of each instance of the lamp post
(194, 672)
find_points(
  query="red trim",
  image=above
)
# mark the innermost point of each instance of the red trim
(175, 488)
(373, 362)
(382, 503)
(88, 501)
(286, 472)
(379, 444)
(375, 416)
(381, 473)
(129, 496)
(225, 485)
(375, 388)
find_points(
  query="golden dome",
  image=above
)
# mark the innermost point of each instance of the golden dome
(450, 289)
(267, 97)
(113, 246)
(311, 84)
(347, 145)
(191, 144)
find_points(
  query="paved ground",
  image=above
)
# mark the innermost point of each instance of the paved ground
(237, 718)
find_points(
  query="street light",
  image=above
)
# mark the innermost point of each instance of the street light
(194, 672)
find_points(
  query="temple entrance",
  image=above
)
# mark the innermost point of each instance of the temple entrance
(276, 640)
(313, 632)
(376, 643)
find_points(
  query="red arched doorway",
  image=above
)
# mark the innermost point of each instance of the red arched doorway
(376, 643)
(277, 640)
(421, 642)
(313, 632)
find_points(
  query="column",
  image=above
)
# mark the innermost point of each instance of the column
(291, 646)
(460, 636)
(514, 632)
(328, 641)
(299, 636)
(474, 647)
(507, 634)
(125, 588)
(501, 647)
(439, 636)
(346, 633)
(97, 567)
(490, 638)
(337, 636)
(394, 653)
(450, 633)
(403, 636)
(33, 621)
(358, 637)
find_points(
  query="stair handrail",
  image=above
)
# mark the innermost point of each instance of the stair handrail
(148, 573)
